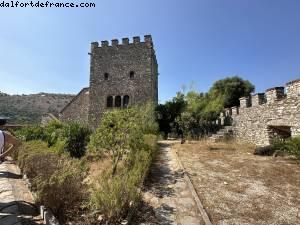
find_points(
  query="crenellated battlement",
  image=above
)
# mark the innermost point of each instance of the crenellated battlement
(125, 41)
(272, 95)
(262, 116)
(293, 89)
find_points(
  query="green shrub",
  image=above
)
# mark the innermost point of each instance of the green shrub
(146, 118)
(115, 196)
(111, 197)
(289, 146)
(30, 133)
(64, 137)
(118, 134)
(53, 131)
(131, 142)
(293, 147)
(76, 137)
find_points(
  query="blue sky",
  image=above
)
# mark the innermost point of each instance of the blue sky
(196, 41)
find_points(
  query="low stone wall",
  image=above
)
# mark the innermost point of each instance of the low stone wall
(263, 116)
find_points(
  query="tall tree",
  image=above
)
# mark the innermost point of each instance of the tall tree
(230, 89)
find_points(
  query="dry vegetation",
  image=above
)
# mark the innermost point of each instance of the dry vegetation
(237, 187)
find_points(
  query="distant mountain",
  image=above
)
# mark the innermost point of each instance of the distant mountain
(28, 109)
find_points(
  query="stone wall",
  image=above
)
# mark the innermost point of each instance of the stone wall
(77, 109)
(263, 116)
(119, 71)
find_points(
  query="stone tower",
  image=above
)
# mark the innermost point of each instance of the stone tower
(121, 75)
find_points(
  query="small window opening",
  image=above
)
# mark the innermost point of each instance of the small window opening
(109, 102)
(131, 74)
(118, 101)
(106, 75)
(125, 101)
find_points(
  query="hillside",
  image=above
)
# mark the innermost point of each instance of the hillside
(23, 109)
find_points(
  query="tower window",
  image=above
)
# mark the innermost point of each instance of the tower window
(106, 75)
(125, 101)
(109, 102)
(118, 101)
(131, 74)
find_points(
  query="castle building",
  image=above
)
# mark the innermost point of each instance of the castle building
(121, 75)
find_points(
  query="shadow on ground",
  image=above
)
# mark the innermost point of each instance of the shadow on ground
(153, 216)
(160, 183)
(25, 211)
(10, 175)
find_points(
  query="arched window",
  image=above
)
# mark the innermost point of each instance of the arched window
(118, 101)
(125, 101)
(131, 74)
(106, 75)
(109, 102)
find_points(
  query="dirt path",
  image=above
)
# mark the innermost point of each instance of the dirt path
(237, 187)
(16, 201)
(167, 198)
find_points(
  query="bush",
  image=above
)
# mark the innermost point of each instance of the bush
(56, 179)
(31, 133)
(127, 137)
(118, 134)
(290, 146)
(115, 196)
(63, 191)
(76, 137)
(52, 132)
(112, 197)
(71, 137)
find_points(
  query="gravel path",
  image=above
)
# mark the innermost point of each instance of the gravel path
(167, 198)
(16, 201)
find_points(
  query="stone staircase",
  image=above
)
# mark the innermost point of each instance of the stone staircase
(223, 134)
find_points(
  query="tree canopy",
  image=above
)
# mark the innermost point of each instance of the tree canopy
(194, 110)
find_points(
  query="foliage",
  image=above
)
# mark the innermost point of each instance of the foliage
(168, 112)
(30, 133)
(128, 137)
(70, 138)
(115, 196)
(229, 90)
(52, 132)
(76, 137)
(192, 113)
(289, 146)
(121, 132)
(116, 135)
(146, 117)
(56, 179)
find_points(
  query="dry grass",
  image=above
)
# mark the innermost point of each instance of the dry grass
(238, 187)
(96, 169)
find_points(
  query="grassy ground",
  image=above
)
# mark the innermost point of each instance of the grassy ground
(237, 187)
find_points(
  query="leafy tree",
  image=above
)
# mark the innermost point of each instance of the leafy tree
(229, 90)
(168, 112)
(192, 113)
